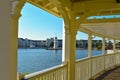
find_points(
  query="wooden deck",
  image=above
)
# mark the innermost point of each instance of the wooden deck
(113, 74)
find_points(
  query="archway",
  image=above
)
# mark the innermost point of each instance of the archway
(16, 9)
(37, 30)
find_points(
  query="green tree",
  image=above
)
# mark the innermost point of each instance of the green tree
(99, 46)
(86, 45)
(77, 45)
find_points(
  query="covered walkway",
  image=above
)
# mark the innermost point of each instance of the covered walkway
(77, 15)
(112, 74)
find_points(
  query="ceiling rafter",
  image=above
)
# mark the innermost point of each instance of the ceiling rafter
(101, 20)
(41, 4)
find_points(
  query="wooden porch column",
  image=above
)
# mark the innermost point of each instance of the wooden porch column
(8, 42)
(69, 51)
(103, 46)
(66, 45)
(90, 54)
(72, 57)
(103, 51)
(13, 46)
(9, 38)
(90, 46)
(4, 40)
(114, 45)
(69, 46)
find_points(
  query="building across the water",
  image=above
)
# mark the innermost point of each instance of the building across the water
(55, 43)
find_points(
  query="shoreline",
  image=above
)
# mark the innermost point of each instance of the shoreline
(58, 48)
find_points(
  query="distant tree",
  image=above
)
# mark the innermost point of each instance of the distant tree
(109, 46)
(99, 46)
(86, 45)
(77, 45)
(92, 45)
(80, 45)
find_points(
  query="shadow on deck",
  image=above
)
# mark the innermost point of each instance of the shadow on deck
(113, 74)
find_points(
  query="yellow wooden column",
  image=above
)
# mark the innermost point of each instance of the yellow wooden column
(4, 39)
(8, 41)
(72, 57)
(114, 45)
(13, 46)
(69, 40)
(66, 44)
(69, 45)
(89, 45)
(103, 46)
(90, 54)
(103, 50)
(12, 34)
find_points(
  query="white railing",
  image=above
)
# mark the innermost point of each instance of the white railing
(89, 67)
(55, 73)
(97, 64)
(84, 68)
(82, 71)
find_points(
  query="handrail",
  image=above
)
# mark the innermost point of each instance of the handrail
(44, 71)
(83, 59)
(79, 60)
(87, 68)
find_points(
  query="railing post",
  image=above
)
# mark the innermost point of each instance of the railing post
(103, 50)
(90, 54)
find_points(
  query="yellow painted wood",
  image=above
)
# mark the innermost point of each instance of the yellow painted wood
(4, 41)
(97, 65)
(114, 45)
(69, 11)
(89, 45)
(103, 46)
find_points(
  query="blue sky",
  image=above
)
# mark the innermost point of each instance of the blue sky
(37, 24)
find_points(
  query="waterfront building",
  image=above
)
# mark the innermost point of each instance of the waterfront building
(59, 43)
(27, 43)
(49, 42)
(43, 43)
(20, 42)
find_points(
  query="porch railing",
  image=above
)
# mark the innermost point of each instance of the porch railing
(84, 69)
(55, 73)
(89, 67)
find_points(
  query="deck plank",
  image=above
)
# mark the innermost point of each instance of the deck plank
(113, 74)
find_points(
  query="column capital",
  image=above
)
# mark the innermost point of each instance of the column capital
(16, 6)
(15, 17)
(13, 6)
(90, 35)
(67, 31)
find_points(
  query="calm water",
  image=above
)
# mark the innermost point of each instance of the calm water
(31, 60)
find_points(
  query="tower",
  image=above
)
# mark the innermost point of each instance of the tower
(55, 43)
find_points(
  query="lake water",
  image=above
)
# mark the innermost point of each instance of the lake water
(32, 60)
